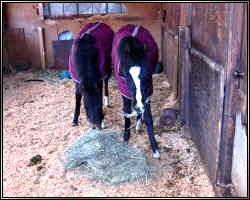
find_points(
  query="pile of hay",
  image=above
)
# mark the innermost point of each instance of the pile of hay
(103, 156)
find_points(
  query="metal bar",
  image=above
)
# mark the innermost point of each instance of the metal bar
(41, 47)
(77, 8)
(211, 63)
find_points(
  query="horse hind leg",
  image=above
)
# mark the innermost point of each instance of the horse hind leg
(78, 98)
(103, 124)
(149, 123)
(126, 109)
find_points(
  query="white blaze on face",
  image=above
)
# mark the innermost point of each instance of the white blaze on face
(135, 72)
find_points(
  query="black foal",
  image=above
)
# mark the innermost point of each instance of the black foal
(90, 68)
(134, 68)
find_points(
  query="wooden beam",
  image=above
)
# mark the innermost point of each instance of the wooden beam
(211, 63)
(40, 10)
(185, 66)
(41, 47)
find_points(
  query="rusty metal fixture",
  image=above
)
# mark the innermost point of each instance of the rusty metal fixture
(168, 117)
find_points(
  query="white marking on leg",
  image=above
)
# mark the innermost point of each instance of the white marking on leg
(138, 125)
(106, 101)
(156, 154)
(103, 124)
(135, 72)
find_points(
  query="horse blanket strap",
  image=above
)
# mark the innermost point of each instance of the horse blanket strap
(134, 113)
(91, 29)
(130, 115)
(135, 31)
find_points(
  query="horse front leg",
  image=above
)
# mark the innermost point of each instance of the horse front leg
(126, 109)
(106, 92)
(78, 97)
(103, 122)
(150, 129)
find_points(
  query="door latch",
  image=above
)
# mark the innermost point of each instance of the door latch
(238, 74)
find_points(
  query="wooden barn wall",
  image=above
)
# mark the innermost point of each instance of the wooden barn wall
(209, 29)
(25, 15)
(170, 29)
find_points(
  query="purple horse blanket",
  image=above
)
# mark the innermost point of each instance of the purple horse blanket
(144, 36)
(103, 35)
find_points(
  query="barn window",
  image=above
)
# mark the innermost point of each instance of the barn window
(77, 9)
(65, 35)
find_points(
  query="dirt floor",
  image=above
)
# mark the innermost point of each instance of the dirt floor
(37, 119)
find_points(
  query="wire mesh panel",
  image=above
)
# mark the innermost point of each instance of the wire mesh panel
(70, 8)
(55, 9)
(85, 8)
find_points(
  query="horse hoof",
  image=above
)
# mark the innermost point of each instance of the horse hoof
(74, 124)
(157, 154)
(126, 136)
(125, 141)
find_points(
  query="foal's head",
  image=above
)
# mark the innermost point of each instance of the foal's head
(133, 66)
(90, 82)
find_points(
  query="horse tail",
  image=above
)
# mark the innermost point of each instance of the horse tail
(86, 56)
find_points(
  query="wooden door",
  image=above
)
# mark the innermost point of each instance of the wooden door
(215, 53)
(16, 48)
(212, 48)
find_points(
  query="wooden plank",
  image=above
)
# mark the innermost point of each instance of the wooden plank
(16, 43)
(243, 68)
(185, 67)
(171, 63)
(209, 27)
(234, 21)
(173, 16)
(206, 93)
(185, 15)
(41, 47)
(41, 10)
(184, 60)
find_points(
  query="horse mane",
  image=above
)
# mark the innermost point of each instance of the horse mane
(86, 56)
(131, 52)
